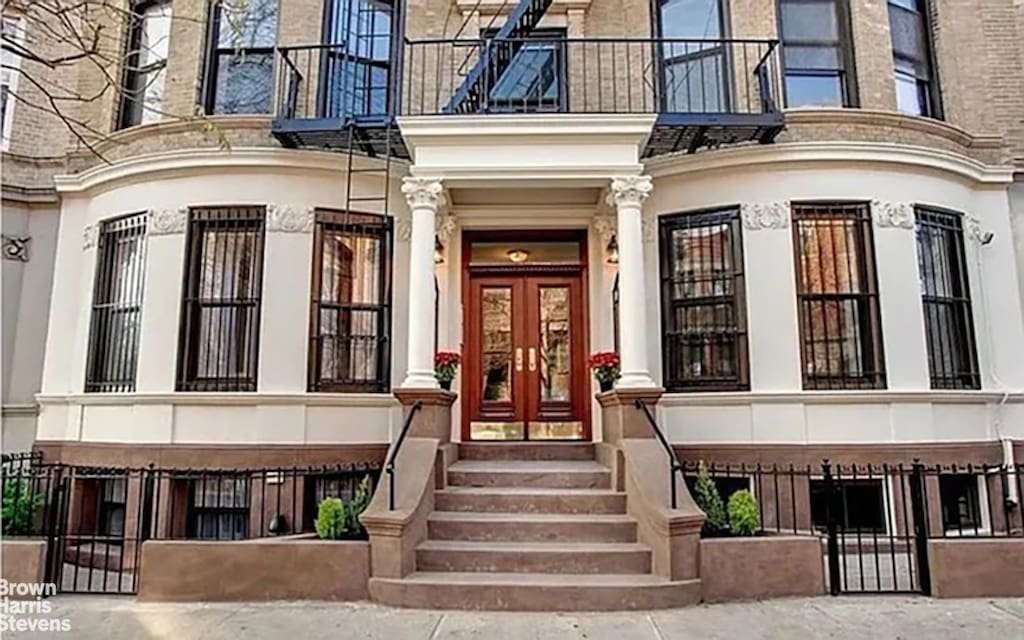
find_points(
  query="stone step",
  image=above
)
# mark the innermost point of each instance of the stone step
(529, 500)
(577, 474)
(530, 527)
(533, 557)
(534, 591)
(527, 451)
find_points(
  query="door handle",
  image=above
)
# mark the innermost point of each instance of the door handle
(519, 358)
(533, 359)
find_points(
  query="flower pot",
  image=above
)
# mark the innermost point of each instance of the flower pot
(446, 384)
(606, 385)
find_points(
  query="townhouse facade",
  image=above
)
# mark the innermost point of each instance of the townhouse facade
(800, 224)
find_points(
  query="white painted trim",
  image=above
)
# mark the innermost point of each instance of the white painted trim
(818, 154)
(837, 397)
(553, 128)
(222, 399)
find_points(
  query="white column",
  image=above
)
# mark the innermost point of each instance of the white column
(628, 195)
(423, 195)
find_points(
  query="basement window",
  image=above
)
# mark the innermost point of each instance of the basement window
(219, 508)
(861, 503)
(961, 503)
(726, 485)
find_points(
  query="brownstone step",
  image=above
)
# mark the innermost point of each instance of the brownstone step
(534, 591)
(533, 557)
(527, 451)
(577, 474)
(530, 527)
(529, 500)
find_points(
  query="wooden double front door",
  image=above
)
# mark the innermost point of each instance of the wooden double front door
(525, 369)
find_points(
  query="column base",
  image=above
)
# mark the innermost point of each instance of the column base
(636, 380)
(620, 417)
(434, 419)
(420, 380)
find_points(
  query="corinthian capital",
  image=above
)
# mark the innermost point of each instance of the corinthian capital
(630, 190)
(422, 192)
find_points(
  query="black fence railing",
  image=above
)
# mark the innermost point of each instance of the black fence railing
(536, 74)
(674, 465)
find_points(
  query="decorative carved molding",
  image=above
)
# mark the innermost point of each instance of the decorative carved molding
(648, 225)
(90, 235)
(765, 215)
(288, 218)
(605, 226)
(164, 222)
(630, 190)
(403, 225)
(423, 192)
(894, 215)
(975, 232)
(444, 226)
(16, 247)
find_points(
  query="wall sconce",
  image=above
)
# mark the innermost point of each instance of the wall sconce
(518, 255)
(438, 251)
(613, 251)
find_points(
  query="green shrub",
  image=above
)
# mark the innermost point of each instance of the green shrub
(336, 520)
(19, 507)
(744, 519)
(707, 498)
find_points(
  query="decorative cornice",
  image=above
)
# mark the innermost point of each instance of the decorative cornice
(290, 218)
(16, 247)
(90, 235)
(896, 215)
(163, 222)
(422, 193)
(630, 191)
(765, 215)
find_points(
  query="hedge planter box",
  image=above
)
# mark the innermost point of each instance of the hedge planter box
(761, 567)
(23, 560)
(292, 568)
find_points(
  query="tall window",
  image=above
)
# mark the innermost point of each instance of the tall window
(350, 346)
(117, 305)
(221, 306)
(916, 90)
(817, 53)
(13, 40)
(535, 80)
(837, 296)
(693, 72)
(240, 60)
(358, 64)
(948, 323)
(113, 498)
(703, 308)
(146, 63)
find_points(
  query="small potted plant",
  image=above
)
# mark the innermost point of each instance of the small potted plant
(605, 365)
(446, 363)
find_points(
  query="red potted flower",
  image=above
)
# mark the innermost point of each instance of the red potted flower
(446, 363)
(605, 365)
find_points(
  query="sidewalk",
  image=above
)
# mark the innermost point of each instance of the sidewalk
(858, 618)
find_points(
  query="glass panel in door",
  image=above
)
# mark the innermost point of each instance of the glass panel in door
(499, 414)
(552, 361)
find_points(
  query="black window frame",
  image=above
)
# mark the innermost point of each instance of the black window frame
(928, 86)
(544, 36)
(107, 352)
(819, 499)
(665, 62)
(950, 494)
(202, 220)
(845, 53)
(213, 52)
(199, 512)
(317, 487)
(367, 225)
(133, 94)
(667, 224)
(869, 335)
(112, 502)
(336, 53)
(961, 344)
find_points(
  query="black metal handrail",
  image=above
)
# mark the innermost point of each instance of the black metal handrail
(389, 466)
(673, 459)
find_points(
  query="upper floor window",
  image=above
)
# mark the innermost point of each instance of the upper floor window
(837, 296)
(702, 298)
(351, 314)
(916, 88)
(693, 64)
(948, 322)
(817, 53)
(240, 60)
(358, 62)
(117, 305)
(146, 63)
(13, 38)
(221, 299)
(535, 79)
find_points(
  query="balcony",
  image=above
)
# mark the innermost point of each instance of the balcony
(703, 93)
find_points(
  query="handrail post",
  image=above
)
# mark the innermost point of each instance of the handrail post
(389, 467)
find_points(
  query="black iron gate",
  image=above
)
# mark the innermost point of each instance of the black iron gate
(883, 548)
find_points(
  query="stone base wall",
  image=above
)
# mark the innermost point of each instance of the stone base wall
(977, 568)
(761, 567)
(23, 561)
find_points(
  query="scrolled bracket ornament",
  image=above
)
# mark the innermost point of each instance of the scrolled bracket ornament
(892, 215)
(165, 222)
(765, 215)
(90, 236)
(285, 218)
(16, 247)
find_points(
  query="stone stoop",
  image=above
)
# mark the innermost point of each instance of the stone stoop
(532, 527)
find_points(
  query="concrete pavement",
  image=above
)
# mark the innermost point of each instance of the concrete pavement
(854, 618)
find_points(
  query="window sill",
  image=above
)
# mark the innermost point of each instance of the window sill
(710, 398)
